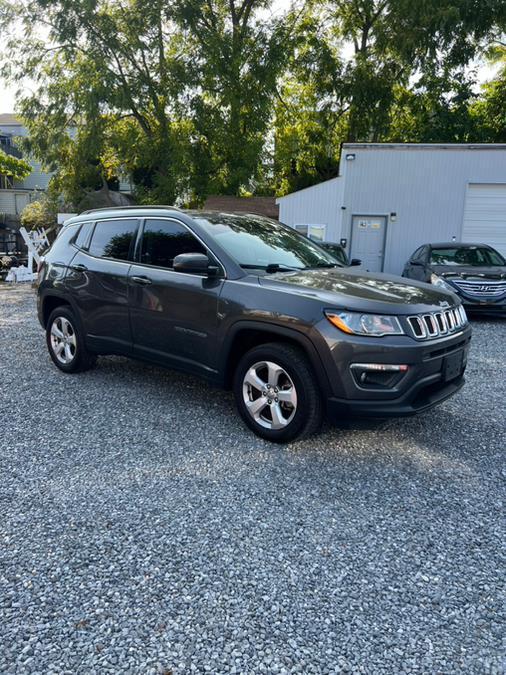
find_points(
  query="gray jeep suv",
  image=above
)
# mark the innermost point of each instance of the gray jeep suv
(251, 305)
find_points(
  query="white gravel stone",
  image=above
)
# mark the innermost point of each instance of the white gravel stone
(145, 530)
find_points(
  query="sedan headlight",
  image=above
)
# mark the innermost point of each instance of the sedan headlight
(374, 325)
(438, 281)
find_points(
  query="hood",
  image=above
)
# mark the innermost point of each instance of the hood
(362, 291)
(470, 272)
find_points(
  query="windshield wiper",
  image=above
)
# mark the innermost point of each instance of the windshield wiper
(327, 265)
(272, 267)
(279, 267)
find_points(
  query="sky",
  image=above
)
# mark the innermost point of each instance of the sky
(8, 93)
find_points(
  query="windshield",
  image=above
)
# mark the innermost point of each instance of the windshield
(260, 243)
(472, 256)
(338, 253)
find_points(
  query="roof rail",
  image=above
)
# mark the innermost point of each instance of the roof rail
(125, 208)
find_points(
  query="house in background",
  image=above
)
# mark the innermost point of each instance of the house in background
(15, 194)
(390, 198)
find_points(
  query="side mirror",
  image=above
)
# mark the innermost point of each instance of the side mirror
(417, 263)
(195, 263)
(355, 261)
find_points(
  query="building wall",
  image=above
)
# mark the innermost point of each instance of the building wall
(425, 186)
(316, 205)
(12, 202)
(37, 180)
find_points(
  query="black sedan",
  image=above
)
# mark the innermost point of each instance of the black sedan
(475, 272)
(339, 253)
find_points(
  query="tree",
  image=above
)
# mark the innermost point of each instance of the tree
(436, 109)
(178, 94)
(40, 213)
(236, 56)
(404, 59)
(106, 63)
(14, 167)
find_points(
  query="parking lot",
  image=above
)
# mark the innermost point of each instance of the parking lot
(145, 530)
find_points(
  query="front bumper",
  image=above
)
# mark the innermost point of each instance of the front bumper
(496, 307)
(435, 372)
(483, 304)
(427, 393)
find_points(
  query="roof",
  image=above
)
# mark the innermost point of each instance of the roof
(9, 119)
(260, 206)
(308, 187)
(424, 146)
(457, 244)
(139, 211)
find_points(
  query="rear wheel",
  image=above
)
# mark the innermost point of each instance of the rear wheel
(65, 342)
(277, 394)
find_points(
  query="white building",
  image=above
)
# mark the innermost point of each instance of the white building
(390, 198)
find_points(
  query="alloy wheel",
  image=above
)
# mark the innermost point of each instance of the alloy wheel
(269, 395)
(63, 340)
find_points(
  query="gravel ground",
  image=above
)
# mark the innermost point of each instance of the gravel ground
(145, 530)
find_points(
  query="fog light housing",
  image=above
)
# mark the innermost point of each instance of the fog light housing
(378, 375)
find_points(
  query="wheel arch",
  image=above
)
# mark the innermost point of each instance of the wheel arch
(244, 335)
(49, 303)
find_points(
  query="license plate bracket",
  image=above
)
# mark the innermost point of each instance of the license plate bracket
(453, 365)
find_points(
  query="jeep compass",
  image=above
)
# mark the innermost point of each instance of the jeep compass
(250, 305)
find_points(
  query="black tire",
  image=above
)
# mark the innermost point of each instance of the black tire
(300, 420)
(79, 358)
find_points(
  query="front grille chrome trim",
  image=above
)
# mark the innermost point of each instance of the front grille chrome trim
(481, 288)
(437, 324)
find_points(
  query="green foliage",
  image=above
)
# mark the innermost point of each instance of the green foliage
(39, 213)
(402, 79)
(193, 97)
(15, 168)
(489, 113)
(234, 60)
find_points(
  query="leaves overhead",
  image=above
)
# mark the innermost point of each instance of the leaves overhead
(193, 97)
(13, 167)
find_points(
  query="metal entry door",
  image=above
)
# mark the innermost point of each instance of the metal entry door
(368, 241)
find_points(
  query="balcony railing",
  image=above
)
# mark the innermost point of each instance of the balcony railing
(10, 150)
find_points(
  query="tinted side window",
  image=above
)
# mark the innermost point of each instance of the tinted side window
(113, 238)
(82, 238)
(417, 254)
(163, 240)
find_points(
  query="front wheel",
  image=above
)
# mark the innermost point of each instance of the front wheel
(277, 394)
(65, 342)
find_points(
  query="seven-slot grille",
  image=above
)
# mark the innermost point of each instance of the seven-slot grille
(481, 288)
(436, 324)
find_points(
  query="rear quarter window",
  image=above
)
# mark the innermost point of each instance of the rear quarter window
(83, 236)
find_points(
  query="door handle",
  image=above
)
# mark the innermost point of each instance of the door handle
(79, 267)
(142, 281)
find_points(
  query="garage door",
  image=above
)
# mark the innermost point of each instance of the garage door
(485, 215)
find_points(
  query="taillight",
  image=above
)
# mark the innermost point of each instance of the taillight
(40, 266)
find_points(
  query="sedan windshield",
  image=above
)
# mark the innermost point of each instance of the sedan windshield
(471, 256)
(338, 253)
(260, 243)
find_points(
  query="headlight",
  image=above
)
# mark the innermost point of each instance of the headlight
(440, 283)
(375, 325)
